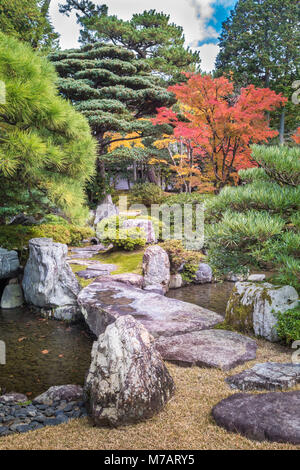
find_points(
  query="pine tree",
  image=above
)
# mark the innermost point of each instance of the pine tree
(150, 35)
(28, 20)
(115, 91)
(260, 44)
(47, 152)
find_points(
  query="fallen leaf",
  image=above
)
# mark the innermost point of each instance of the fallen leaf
(21, 339)
(45, 351)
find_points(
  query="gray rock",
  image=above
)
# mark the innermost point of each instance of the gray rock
(130, 279)
(144, 224)
(60, 393)
(256, 278)
(127, 380)
(103, 302)
(97, 270)
(255, 306)
(12, 296)
(204, 274)
(209, 348)
(236, 277)
(9, 263)
(175, 281)
(266, 376)
(49, 282)
(13, 398)
(156, 267)
(105, 209)
(156, 289)
(22, 219)
(271, 416)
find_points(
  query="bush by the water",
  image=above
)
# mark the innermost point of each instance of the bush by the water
(16, 237)
(257, 224)
(180, 259)
(288, 325)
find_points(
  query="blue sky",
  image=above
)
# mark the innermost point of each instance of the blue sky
(200, 19)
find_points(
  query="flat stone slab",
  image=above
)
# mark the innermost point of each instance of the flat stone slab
(273, 416)
(103, 302)
(96, 270)
(131, 279)
(266, 376)
(91, 248)
(208, 348)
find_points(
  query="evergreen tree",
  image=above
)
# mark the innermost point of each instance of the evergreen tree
(260, 44)
(28, 20)
(150, 35)
(47, 152)
(116, 92)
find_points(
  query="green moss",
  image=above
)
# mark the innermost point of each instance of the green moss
(83, 282)
(239, 316)
(127, 262)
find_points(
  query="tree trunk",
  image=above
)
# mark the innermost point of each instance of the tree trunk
(282, 127)
(134, 172)
(152, 176)
(101, 168)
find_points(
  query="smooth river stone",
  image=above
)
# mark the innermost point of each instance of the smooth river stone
(209, 348)
(273, 416)
(96, 270)
(266, 376)
(103, 302)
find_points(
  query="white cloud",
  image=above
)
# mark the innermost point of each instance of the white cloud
(208, 54)
(192, 15)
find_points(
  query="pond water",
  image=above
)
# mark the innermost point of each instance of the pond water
(41, 353)
(211, 296)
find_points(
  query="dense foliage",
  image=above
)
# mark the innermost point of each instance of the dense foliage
(214, 130)
(47, 152)
(115, 91)
(260, 44)
(288, 325)
(28, 20)
(257, 224)
(150, 35)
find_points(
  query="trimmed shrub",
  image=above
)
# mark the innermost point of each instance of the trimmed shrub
(126, 239)
(147, 194)
(288, 325)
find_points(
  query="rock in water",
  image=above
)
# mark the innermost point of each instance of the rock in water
(204, 274)
(127, 380)
(266, 376)
(106, 209)
(9, 263)
(12, 296)
(175, 281)
(103, 302)
(255, 306)
(271, 416)
(49, 282)
(156, 267)
(208, 348)
(143, 224)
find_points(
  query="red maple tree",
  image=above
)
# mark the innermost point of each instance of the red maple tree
(219, 125)
(296, 136)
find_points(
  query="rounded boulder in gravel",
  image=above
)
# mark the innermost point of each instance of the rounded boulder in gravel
(271, 416)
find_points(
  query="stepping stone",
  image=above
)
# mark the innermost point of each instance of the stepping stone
(273, 416)
(96, 270)
(103, 302)
(92, 248)
(130, 279)
(210, 348)
(266, 376)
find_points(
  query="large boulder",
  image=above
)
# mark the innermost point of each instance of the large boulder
(208, 348)
(143, 224)
(106, 209)
(103, 302)
(156, 267)
(9, 263)
(49, 282)
(266, 376)
(127, 380)
(203, 274)
(255, 306)
(271, 416)
(12, 296)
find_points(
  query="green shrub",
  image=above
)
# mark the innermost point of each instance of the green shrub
(147, 194)
(187, 198)
(115, 222)
(16, 237)
(126, 239)
(288, 325)
(179, 256)
(55, 220)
